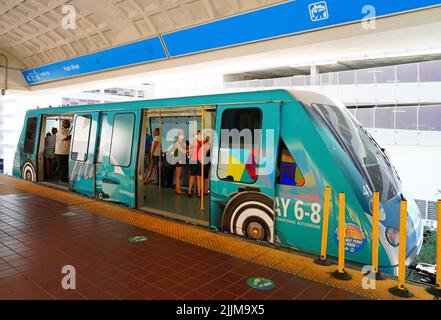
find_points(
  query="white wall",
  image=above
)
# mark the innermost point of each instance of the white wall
(189, 86)
(418, 168)
(417, 163)
(15, 105)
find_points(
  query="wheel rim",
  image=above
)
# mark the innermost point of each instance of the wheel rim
(255, 231)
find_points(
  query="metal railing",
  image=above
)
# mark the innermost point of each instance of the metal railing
(428, 210)
(421, 72)
(420, 118)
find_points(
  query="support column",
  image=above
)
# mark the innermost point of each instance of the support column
(314, 74)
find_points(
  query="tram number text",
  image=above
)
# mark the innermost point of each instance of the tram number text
(300, 210)
(367, 191)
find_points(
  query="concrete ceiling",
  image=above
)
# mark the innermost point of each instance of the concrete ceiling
(32, 30)
(410, 34)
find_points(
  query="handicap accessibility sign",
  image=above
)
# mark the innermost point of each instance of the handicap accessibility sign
(69, 214)
(260, 283)
(137, 239)
(318, 11)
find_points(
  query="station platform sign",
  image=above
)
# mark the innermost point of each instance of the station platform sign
(288, 18)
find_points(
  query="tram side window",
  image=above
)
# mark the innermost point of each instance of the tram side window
(80, 143)
(31, 132)
(122, 139)
(104, 139)
(240, 145)
(288, 173)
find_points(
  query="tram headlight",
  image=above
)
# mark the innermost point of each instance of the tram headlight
(393, 236)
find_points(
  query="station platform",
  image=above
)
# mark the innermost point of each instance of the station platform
(43, 229)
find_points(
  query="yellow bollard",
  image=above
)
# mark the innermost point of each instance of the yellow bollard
(401, 290)
(375, 222)
(436, 290)
(438, 248)
(323, 261)
(340, 273)
(402, 247)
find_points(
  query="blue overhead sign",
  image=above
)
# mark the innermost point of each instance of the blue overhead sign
(276, 21)
(282, 20)
(133, 53)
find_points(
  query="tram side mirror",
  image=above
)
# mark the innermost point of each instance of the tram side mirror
(3, 92)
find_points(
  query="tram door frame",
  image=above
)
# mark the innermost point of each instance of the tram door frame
(43, 127)
(147, 115)
(120, 179)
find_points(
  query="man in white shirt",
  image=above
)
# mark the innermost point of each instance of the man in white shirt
(62, 149)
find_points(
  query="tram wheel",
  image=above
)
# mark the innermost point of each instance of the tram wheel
(250, 214)
(28, 172)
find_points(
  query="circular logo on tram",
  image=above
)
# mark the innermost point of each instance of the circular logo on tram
(355, 238)
(137, 239)
(260, 283)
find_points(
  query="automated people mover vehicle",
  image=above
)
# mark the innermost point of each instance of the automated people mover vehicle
(268, 186)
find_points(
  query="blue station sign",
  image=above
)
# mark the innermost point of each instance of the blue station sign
(134, 53)
(280, 20)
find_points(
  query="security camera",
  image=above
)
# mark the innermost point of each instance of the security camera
(3, 92)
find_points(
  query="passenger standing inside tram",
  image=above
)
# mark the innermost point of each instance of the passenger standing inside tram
(195, 165)
(49, 152)
(62, 149)
(147, 152)
(207, 163)
(155, 155)
(179, 151)
(47, 160)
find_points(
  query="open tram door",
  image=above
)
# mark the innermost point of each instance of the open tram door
(243, 179)
(48, 167)
(84, 133)
(158, 193)
(116, 156)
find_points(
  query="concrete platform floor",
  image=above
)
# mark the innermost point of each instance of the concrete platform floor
(36, 241)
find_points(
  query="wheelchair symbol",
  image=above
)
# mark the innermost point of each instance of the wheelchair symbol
(33, 76)
(318, 11)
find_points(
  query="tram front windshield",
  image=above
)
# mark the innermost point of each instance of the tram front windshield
(371, 161)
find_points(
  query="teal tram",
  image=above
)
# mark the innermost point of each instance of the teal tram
(272, 153)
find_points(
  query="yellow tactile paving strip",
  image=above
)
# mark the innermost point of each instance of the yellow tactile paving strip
(298, 265)
(5, 190)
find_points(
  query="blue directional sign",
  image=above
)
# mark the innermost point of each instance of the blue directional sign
(288, 18)
(133, 53)
(281, 20)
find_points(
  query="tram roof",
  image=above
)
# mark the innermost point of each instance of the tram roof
(279, 95)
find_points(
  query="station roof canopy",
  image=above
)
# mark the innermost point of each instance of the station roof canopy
(60, 39)
(32, 30)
